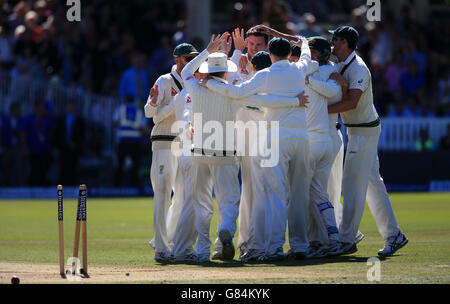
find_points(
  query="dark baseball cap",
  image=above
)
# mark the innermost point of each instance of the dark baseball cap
(319, 43)
(261, 60)
(346, 32)
(184, 49)
(295, 51)
(280, 47)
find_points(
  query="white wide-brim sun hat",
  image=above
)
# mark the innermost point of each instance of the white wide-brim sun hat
(217, 62)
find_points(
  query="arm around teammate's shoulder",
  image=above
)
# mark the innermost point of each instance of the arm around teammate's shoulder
(349, 102)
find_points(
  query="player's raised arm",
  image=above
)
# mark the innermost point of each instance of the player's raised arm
(188, 72)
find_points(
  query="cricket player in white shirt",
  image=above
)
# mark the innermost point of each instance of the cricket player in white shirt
(255, 42)
(217, 165)
(320, 89)
(361, 174)
(274, 189)
(164, 163)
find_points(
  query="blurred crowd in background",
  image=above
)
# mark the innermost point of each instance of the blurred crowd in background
(119, 48)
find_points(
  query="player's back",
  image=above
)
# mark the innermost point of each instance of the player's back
(285, 79)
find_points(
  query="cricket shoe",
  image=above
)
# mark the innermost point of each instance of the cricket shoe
(301, 255)
(334, 248)
(227, 242)
(359, 237)
(316, 245)
(203, 259)
(164, 257)
(277, 256)
(190, 257)
(393, 244)
(349, 248)
(242, 250)
(252, 255)
(217, 255)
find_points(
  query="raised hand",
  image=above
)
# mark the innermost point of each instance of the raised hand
(214, 43)
(240, 43)
(154, 95)
(225, 46)
(302, 99)
(243, 62)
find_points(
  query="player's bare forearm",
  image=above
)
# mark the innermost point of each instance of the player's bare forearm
(349, 102)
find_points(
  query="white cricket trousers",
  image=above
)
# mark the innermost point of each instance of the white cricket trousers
(361, 176)
(185, 233)
(245, 205)
(322, 221)
(224, 179)
(335, 180)
(163, 174)
(280, 194)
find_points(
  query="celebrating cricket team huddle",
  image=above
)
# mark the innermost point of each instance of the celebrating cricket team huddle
(272, 115)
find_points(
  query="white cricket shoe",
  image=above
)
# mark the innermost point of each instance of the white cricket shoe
(393, 244)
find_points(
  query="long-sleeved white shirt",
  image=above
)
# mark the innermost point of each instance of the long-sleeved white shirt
(216, 107)
(283, 79)
(321, 90)
(167, 90)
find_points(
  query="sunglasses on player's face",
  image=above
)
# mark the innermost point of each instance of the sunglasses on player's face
(188, 58)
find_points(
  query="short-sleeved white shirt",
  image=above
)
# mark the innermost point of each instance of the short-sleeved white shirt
(358, 77)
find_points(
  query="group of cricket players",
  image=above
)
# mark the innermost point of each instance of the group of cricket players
(282, 99)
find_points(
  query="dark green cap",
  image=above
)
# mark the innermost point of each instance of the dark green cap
(319, 43)
(279, 47)
(184, 49)
(347, 32)
(261, 60)
(295, 51)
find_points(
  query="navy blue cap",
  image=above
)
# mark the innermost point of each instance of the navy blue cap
(261, 60)
(279, 47)
(347, 32)
(319, 43)
(295, 51)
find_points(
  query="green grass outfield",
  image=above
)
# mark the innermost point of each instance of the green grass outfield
(119, 231)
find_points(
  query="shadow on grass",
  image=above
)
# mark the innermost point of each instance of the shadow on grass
(286, 262)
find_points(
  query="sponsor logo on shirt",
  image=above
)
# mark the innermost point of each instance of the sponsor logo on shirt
(360, 81)
(188, 100)
(244, 71)
(174, 92)
(235, 81)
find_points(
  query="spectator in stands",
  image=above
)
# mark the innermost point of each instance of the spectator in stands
(130, 122)
(18, 17)
(445, 140)
(12, 141)
(6, 47)
(70, 139)
(39, 133)
(310, 29)
(423, 143)
(393, 73)
(135, 81)
(412, 80)
(381, 46)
